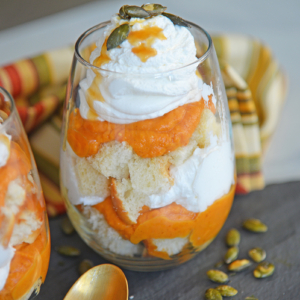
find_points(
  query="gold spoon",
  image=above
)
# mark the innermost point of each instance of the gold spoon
(103, 282)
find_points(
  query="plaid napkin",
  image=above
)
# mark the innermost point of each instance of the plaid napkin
(255, 86)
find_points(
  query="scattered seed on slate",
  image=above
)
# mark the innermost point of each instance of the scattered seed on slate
(263, 270)
(213, 294)
(255, 225)
(217, 276)
(231, 255)
(233, 237)
(257, 254)
(226, 290)
(67, 226)
(84, 266)
(219, 264)
(67, 250)
(239, 265)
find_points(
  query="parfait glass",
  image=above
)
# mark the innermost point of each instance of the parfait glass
(151, 194)
(24, 229)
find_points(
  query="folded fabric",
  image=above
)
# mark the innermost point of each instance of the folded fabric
(255, 87)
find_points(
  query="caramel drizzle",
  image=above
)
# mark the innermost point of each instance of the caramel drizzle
(143, 39)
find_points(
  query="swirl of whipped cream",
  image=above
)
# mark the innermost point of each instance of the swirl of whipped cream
(134, 90)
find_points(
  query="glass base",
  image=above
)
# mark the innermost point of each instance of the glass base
(135, 263)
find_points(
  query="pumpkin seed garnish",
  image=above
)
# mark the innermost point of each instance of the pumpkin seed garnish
(118, 36)
(123, 14)
(257, 254)
(217, 276)
(136, 12)
(233, 237)
(84, 266)
(68, 250)
(255, 225)
(239, 265)
(231, 255)
(154, 9)
(213, 294)
(226, 290)
(176, 20)
(66, 226)
(263, 270)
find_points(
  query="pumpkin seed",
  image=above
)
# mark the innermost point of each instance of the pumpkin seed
(176, 20)
(217, 276)
(255, 225)
(136, 12)
(263, 270)
(239, 265)
(154, 9)
(84, 266)
(257, 254)
(231, 255)
(219, 264)
(118, 36)
(66, 226)
(68, 250)
(123, 14)
(251, 298)
(213, 294)
(226, 290)
(233, 237)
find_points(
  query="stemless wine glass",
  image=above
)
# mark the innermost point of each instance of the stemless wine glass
(147, 195)
(24, 230)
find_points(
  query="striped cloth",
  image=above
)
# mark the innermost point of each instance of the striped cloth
(255, 86)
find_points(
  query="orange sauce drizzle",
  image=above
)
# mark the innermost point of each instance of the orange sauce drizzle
(144, 52)
(143, 39)
(93, 93)
(103, 58)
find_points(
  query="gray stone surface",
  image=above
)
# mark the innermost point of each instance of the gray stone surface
(277, 206)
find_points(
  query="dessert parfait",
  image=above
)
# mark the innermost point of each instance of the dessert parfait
(147, 166)
(24, 239)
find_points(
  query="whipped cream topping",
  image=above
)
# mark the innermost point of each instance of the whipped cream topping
(6, 255)
(202, 179)
(4, 147)
(136, 93)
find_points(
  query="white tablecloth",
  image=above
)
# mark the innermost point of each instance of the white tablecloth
(275, 22)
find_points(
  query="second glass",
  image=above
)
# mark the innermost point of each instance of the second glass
(150, 193)
(24, 230)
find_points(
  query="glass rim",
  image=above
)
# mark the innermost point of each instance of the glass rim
(12, 105)
(103, 24)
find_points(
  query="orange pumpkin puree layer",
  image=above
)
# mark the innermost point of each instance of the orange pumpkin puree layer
(148, 138)
(169, 222)
(29, 264)
(30, 261)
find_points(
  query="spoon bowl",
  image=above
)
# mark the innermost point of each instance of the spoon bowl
(103, 282)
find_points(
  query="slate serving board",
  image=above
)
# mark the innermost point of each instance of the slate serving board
(277, 205)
